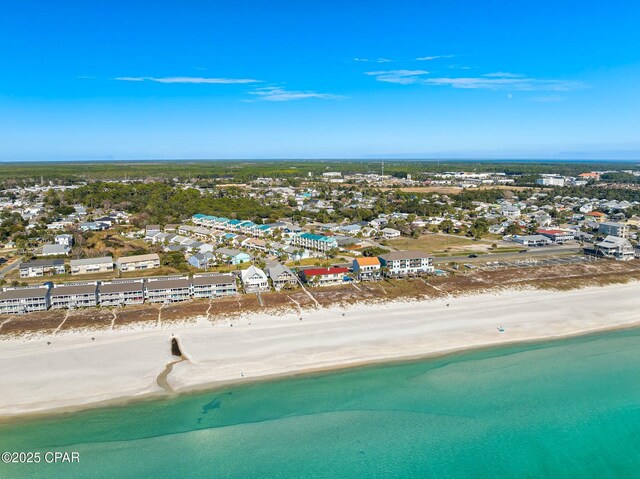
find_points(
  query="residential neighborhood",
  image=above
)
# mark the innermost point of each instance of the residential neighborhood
(336, 228)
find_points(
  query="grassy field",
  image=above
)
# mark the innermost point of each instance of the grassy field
(242, 171)
(433, 243)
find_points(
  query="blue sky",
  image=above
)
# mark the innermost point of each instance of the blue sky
(357, 79)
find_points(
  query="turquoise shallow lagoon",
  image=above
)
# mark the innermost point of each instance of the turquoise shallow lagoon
(567, 408)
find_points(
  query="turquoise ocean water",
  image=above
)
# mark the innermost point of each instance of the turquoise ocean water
(568, 408)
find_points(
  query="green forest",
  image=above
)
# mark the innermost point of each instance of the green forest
(241, 171)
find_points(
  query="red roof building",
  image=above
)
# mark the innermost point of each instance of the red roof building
(324, 271)
(324, 276)
(556, 235)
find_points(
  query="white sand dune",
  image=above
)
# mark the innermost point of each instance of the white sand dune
(75, 371)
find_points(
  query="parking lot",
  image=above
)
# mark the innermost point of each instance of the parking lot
(531, 262)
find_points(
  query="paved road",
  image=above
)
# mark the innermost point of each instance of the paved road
(531, 252)
(10, 267)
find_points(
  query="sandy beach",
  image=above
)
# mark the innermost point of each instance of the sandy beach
(76, 371)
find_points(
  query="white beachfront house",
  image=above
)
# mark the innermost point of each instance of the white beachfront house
(254, 280)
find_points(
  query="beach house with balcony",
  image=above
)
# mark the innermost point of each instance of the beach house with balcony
(615, 247)
(281, 276)
(366, 269)
(324, 276)
(254, 280)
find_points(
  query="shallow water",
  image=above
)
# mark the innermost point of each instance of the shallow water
(568, 408)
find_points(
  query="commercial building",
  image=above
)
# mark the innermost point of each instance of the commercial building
(551, 180)
(531, 240)
(557, 236)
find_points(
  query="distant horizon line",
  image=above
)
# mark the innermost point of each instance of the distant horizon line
(380, 159)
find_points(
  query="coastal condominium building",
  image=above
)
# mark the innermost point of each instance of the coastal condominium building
(315, 242)
(121, 292)
(138, 262)
(614, 229)
(92, 265)
(24, 300)
(213, 285)
(41, 267)
(167, 290)
(74, 295)
(402, 263)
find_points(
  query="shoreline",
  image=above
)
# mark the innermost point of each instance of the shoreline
(268, 347)
(218, 385)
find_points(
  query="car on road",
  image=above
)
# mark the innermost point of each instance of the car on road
(523, 251)
(473, 255)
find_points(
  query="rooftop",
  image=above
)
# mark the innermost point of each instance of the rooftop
(325, 271)
(404, 255)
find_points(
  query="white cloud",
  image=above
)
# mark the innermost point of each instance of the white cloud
(190, 80)
(403, 77)
(280, 94)
(489, 81)
(433, 57)
(503, 75)
(375, 60)
(514, 84)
